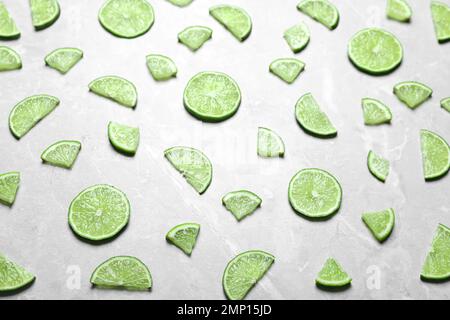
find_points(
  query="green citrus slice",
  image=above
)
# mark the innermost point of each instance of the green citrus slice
(287, 69)
(375, 51)
(124, 139)
(9, 184)
(62, 153)
(194, 37)
(13, 276)
(126, 18)
(413, 94)
(380, 223)
(312, 119)
(122, 272)
(9, 59)
(234, 19)
(378, 166)
(115, 88)
(63, 59)
(297, 37)
(322, 11)
(332, 275)
(375, 112)
(99, 212)
(315, 193)
(241, 203)
(181, 3)
(44, 13)
(437, 262)
(8, 28)
(212, 96)
(184, 236)
(445, 103)
(28, 112)
(244, 271)
(161, 67)
(440, 13)
(435, 155)
(193, 165)
(398, 10)
(270, 144)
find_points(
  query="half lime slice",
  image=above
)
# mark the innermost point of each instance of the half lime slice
(124, 139)
(115, 88)
(437, 262)
(322, 11)
(435, 155)
(440, 13)
(380, 223)
(181, 3)
(184, 236)
(194, 37)
(297, 37)
(9, 59)
(270, 144)
(161, 67)
(378, 166)
(312, 118)
(234, 19)
(44, 13)
(375, 112)
(412, 93)
(63, 59)
(13, 276)
(398, 10)
(332, 275)
(287, 69)
(9, 184)
(62, 153)
(241, 203)
(445, 103)
(8, 28)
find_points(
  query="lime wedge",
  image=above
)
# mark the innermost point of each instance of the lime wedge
(413, 94)
(315, 193)
(398, 10)
(312, 119)
(124, 139)
(115, 88)
(435, 155)
(181, 3)
(445, 103)
(270, 144)
(13, 276)
(44, 13)
(244, 271)
(440, 13)
(375, 112)
(9, 184)
(62, 153)
(212, 96)
(241, 203)
(99, 212)
(184, 236)
(322, 11)
(380, 223)
(297, 37)
(28, 112)
(234, 19)
(122, 272)
(375, 51)
(161, 67)
(287, 69)
(332, 275)
(193, 165)
(9, 59)
(378, 166)
(194, 37)
(126, 18)
(63, 59)
(8, 28)
(437, 262)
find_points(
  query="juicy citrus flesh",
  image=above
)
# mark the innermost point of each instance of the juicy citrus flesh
(44, 13)
(322, 11)
(9, 59)
(435, 155)
(375, 112)
(378, 166)
(13, 276)
(62, 153)
(181, 3)
(116, 89)
(234, 19)
(412, 93)
(297, 37)
(9, 184)
(380, 223)
(270, 144)
(63, 59)
(312, 118)
(161, 67)
(398, 10)
(437, 262)
(124, 138)
(194, 37)
(332, 275)
(440, 13)
(184, 236)
(8, 28)
(445, 104)
(287, 69)
(241, 203)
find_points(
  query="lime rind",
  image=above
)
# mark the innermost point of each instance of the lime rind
(321, 11)
(398, 10)
(9, 59)
(287, 69)
(375, 112)
(270, 144)
(312, 119)
(161, 68)
(412, 93)
(184, 236)
(435, 155)
(380, 223)
(440, 13)
(44, 13)
(332, 275)
(116, 89)
(123, 138)
(62, 153)
(13, 276)
(445, 104)
(194, 37)
(180, 3)
(241, 203)
(63, 59)
(234, 19)
(9, 185)
(378, 166)
(437, 262)
(297, 37)
(8, 28)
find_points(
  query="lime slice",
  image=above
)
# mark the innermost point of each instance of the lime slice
(44, 13)
(445, 103)
(193, 165)
(375, 112)
(375, 51)
(297, 37)
(437, 262)
(126, 18)
(124, 139)
(184, 236)
(241, 203)
(13, 276)
(440, 13)
(244, 271)
(115, 88)
(435, 155)
(322, 11)
(380, 223)
(398, 10)
(212, 96)
(315, 193)
(9, 59)
(234, 19)
(312, 119)
(194, 37)
(378, 166)
(269, 144)
(99, 212)
(181, 3)
(122, 272)
(62, 153)
(63, 59)
(287, 69)
(332, 275)
(413, 94)
(9, 184)
(28, 112)
(8, 28)
(161, 67)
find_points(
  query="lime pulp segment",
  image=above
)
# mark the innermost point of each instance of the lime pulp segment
(440, 13)
(63, 59)
(375, 112)
(398, 10)
(332, 275)
(445, 103)
(9, 184)
(44, 13)
(181, 3)
(194, 37)
(13, 276)
(380, 223)
(287, 69)
(115, 88)
(270, 144)
(234, 19)
(184, 236)
(322, 11)
(9, 59)
(161, 67)
(241, 203)
(437, 263)
(378, 166)
(297, 37)
(312, 118)
(412, 93)
(124, 139)
(435, 155)
(8, 28)
(62, 153)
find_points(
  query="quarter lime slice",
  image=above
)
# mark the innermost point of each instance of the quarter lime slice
(413, 94)
(212, 96)
(287, 69)
(99, 212)
(181, 3)
(435, 155)
(126, 18)
(63, 59)
(378, 166)
(161, 67)
(244, 271)
(28, 112)
(234, 19)
(124, 139)
(62, 153)
(322, 11)
(375, 112)
(115, 88)
(193, 165)
(375, 51)
(297, 37)
(398, 10)
(332, 275)
(241, 203)
(445, 103)
(184, 236)
(315, 193)
(380, 223)
(44, 13)
(312, 119)
(9, 59)
(13, 276)
(437, 262)
(440, 13)
(122, 272)
(270, 144)
(8, 28)
(9, 184)
(194, 37)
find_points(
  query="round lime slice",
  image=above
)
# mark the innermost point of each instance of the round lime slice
(62, 153)
(380, 223)
(9, 59)
(332, 275)
(270, 144)
(115, 88)
(375, 112)
(378, 166)
(9, 184)
(234, 19)
(194, 37)
(398, 10)
(297, 37)
(312, 119)
(63, 59)
(184, 236)
(440, 12)
(437, 262)
(412, 93)
(322, 11)
(445, 103)
(44, 13)
(8, 28)
(241, 203)
(124, 139)
(13, 276)
(435, 155)
(287, 69)
(181, 3)
(161, 67)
